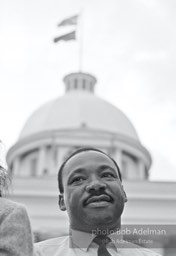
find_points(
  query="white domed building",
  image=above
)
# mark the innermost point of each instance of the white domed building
(79, 119)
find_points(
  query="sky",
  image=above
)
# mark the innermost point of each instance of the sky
(129, 46)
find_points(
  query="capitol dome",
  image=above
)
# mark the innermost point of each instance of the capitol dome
(78, 118)
(79, 108)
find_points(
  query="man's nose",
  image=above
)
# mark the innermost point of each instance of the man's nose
(95, 185)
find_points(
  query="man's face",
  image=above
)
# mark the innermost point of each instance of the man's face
(93, 195)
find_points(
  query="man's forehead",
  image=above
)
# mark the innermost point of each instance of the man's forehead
(87, 157)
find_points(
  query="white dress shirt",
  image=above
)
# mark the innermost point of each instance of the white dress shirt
(80, 243)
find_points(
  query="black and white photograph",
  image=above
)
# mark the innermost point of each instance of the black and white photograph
(88, 128)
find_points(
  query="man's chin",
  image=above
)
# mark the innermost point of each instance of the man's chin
(100, 219)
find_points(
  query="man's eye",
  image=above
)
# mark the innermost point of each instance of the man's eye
(108, 175)
(77, 179)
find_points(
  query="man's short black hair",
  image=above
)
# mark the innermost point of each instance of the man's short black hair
(60, 184)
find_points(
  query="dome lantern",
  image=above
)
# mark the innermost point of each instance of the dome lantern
(79, 81)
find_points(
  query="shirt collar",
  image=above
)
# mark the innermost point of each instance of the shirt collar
(83, 239)
(116, 239)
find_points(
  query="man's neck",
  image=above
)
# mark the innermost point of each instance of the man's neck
(98, 229)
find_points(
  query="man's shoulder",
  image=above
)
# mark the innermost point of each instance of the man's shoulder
(148, 252)
(136, 250)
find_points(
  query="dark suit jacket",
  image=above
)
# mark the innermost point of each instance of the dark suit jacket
(15, 230)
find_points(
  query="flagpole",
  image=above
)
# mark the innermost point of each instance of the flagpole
(80, 45)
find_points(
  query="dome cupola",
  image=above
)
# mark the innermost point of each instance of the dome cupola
(79, 81)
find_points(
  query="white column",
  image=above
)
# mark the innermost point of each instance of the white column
(41, 161)
(16, 166)
(141, 170)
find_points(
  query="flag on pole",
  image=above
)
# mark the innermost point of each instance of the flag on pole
(69, 21)
(66, 37)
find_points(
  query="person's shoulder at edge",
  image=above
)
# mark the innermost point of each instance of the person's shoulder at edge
(15, 228)
(53, 243)
(7, 203)
(8, 206)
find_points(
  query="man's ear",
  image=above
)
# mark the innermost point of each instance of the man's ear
(62, 203)
(125, 196)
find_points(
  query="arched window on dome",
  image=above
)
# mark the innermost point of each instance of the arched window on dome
(45, 172)
(33, 167)
(28, 163)
(91, 86)
(76, 83)
(84, 84)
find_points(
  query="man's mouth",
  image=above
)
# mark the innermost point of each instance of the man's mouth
(96, 201)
